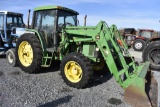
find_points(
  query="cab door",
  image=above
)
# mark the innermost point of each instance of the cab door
(45, 23)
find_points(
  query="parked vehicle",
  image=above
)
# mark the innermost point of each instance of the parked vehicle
(11, 27)
(142, 39)
(129, 36)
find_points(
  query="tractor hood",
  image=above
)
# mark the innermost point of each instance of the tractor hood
(17, 32)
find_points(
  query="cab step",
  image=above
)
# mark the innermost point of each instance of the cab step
(50, 50)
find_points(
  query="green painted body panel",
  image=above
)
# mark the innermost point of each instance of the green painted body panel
(42, 41)
(55, 7)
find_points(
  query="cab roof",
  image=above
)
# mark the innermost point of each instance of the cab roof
(150, 30)
(55, 7)
(12, 13)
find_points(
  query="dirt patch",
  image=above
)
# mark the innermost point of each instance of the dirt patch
(1, 73)
(115, 101)
(64, 89)
(27, 76)
(16, 73)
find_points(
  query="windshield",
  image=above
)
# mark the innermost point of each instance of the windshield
(14, 21)
(1, 21)
(146, 34)
(67, 18)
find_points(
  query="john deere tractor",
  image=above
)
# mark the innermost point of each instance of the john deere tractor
(54, 35)
(11, 27)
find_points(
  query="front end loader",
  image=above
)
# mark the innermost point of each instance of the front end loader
(82, 50)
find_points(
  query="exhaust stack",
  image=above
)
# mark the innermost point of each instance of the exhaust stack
(28, 17)
(85, 18)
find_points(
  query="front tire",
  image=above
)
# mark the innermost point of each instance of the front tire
(139, 45)
(152, 53)
(76, 70)
(11, 57)
(29, 53)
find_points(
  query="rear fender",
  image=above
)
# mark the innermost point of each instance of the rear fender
(155, 39)
(40, 37)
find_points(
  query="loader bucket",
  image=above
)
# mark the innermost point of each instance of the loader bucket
(143, 92)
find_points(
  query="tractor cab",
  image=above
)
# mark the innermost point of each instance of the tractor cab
(10, 28)
(146, 33)
(49, 21)
(128, 35)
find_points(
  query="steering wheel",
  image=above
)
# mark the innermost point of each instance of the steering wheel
(70, 24)
(60, 26)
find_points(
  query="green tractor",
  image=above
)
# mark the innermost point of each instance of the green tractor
(55, 36)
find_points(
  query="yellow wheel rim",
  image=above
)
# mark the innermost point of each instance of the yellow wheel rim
(25, 53)
(73, 71)
(99, 65)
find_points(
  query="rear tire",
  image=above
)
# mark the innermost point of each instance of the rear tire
(29, 53)
(152, 53)
(76, 70)
(100, 68)
(139, 45)
(11, 57)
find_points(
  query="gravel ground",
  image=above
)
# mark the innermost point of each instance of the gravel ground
(47, 89)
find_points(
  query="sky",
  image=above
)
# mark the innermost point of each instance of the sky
(123, 13)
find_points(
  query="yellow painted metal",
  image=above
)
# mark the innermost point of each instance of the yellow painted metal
(73, 71)
(25, 53)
